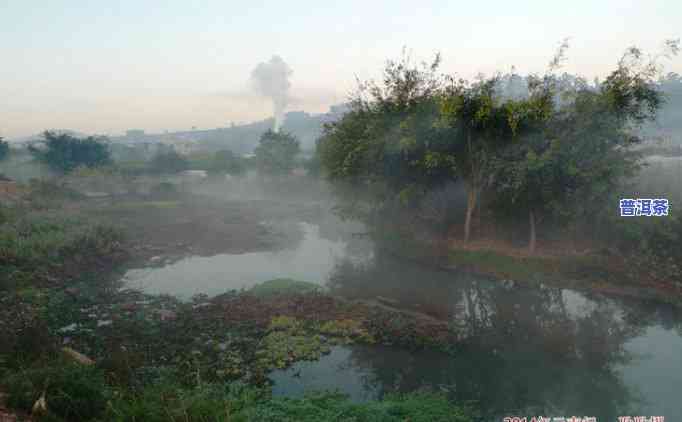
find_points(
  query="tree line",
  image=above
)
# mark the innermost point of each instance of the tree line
(550, 147)
(276, 154)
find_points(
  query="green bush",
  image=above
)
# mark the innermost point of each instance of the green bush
(73, 392)
(64, 152)
(167, 402)
(238, 402)
(653, 244)
(417, 407)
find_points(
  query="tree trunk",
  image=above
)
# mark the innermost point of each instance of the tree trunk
(471, 205)
(531, 243)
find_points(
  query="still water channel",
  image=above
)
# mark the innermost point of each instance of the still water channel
(526, 351)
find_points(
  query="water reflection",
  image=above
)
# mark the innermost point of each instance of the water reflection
(526, 351)
(311, 258)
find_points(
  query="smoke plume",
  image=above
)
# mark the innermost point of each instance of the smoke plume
(271, 79)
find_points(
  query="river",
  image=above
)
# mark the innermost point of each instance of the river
(526, 350)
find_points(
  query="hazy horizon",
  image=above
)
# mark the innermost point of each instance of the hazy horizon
(159, 66)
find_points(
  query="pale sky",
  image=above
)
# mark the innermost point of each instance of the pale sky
(107, 66)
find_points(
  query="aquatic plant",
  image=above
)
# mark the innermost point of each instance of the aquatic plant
(280, 286)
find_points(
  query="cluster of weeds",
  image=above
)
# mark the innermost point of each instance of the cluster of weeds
(239, 402)
(415, 407)
(71, 391)
(46, 194)
(283, 286)
(346, 331)
(76, 392)
(39, 247)
(287, 342)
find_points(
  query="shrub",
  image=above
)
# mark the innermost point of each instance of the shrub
(73, 392)
(64, 153)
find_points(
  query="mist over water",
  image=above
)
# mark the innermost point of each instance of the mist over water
(486, 208)
(525, 348)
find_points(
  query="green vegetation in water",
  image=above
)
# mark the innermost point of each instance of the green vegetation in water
(280, 286)
(290, 340)
(287, 342)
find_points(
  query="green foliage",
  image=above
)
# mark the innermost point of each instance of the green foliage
(169, 402)
(276, 153)
(282, 286)
(64, 153)
(4, 149)
(556, 147)
(288, 342)
(651, 244)
(570, 166)
(226, 162)
(168, 163)
(39, 246)
(416, 407)
(346, 330)
(237, 402)
(72, 391)
(43, 193)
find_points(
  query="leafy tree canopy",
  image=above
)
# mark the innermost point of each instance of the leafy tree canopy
(276, 153)
(64, 153)
(544, 145)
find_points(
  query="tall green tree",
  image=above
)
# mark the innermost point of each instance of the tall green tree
(387, 147)
(480, 125)
(580, 154)
(64, 152)
(276, 153)
(418, 129)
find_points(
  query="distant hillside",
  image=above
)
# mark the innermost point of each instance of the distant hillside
(242, 139)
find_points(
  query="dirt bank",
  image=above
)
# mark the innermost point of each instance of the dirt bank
(170, 228)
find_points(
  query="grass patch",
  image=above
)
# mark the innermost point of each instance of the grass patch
(415, 407)
(504, 265)
(564, 271)
(74, 392)
(238, 402)
(36, 247)
(133, 206)
(283, 286)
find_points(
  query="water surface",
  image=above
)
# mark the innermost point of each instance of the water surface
(527, 350)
